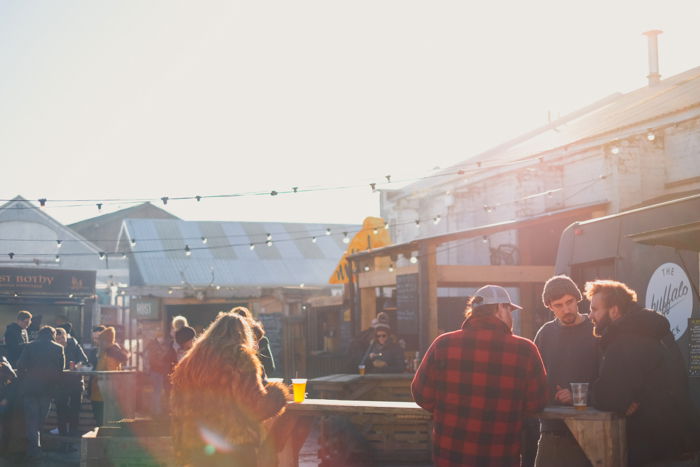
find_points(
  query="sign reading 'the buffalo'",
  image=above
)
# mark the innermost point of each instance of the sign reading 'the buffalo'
(669, 293)
(47, 281)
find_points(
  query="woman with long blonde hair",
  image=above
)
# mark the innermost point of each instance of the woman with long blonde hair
(218, 399)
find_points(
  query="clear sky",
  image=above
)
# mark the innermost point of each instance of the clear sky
(143, 99)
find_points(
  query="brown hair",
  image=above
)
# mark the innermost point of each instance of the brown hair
(475, 309)
(614, 293)
(256, 326)
(106, 338)
(22, 315)
(220, 344)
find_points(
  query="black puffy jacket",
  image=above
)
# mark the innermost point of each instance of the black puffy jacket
(642, 363)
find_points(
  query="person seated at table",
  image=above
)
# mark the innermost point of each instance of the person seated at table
(264, 351)
(110, 357)
(218, 399)
(70, 390)
(384, 355)
(360, 343)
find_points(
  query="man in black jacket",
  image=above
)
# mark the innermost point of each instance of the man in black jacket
(642, 375)
(16, 336)
(40, 366)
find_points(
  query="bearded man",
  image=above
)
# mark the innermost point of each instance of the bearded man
(643, 376)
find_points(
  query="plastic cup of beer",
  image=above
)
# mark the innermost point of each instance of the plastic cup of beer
(299, 389)
(361, 369)
(275, 380)
(579, 394)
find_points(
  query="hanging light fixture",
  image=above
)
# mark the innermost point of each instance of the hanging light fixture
(188, 251)
(346, 239)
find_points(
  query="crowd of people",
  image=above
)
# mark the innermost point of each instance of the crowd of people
(482, 383)
(33, 374)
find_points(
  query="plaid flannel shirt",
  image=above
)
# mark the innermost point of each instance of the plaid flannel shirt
(480, 383)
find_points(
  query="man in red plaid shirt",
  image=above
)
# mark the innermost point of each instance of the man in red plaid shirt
(480, 383)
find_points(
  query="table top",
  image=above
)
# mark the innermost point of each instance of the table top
(321, 406)
(351, 378)
(99, 373)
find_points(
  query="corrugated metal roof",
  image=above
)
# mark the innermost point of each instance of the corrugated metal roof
(227, 260)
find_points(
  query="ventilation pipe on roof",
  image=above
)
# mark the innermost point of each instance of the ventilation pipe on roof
(653, 45)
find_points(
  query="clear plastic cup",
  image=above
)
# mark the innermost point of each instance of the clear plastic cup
(361, 369)
(299, 389)
(579, 394)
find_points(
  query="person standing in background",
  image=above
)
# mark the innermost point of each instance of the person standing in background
(40, 368)
(69, 395)
(111, 357)
(16, 336)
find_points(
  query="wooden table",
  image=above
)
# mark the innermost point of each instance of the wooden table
(373, 386)
(601, 435)
(118, 389)
(296, 422)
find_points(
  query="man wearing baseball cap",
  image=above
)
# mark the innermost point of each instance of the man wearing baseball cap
(570, 355)
(480, 383)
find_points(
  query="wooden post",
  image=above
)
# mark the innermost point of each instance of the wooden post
(368, 299)
(427, 299)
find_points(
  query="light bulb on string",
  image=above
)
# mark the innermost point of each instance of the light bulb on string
(164, 199)
(268, 243)
(328, 231)
(417, 224)
(484, 239)
(386, 226)
(102, 255)
(59, 243)
(615, 150)
(58, 258)
(42, 202)
(413, 260)
(391, 268)
(11, 255)
(651, 136)
(252, 246)
(375, 231)
(366, 268)
(436, 219)
(99, 206)
(204, 240)
(346, 239)
(188, 251)
(313, 239)
(123, 255)
(133, 242)
(268, 237)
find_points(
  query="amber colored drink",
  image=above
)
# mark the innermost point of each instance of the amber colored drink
(580, 407)
(299, 389)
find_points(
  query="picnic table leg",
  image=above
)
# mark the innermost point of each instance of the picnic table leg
(284, 441)
(603, 441)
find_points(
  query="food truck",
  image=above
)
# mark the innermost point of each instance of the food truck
(654, 250)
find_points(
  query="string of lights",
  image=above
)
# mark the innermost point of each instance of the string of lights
(435, 219)
(188, 248)
(469, 167)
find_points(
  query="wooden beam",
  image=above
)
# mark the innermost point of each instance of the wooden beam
(384, 278)
(457, 275)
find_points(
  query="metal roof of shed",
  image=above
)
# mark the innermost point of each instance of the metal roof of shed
(226, 258)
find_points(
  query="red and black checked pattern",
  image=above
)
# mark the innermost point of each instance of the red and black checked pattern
(479, 383)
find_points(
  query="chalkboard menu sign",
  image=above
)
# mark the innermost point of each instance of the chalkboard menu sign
(407, 304)
(694, 348)
(272, 324)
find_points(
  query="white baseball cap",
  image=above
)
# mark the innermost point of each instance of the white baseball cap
(491, 295)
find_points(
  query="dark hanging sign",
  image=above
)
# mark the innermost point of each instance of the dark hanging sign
(30, 281)
(694, 348)
(147, 308)
(407, 304)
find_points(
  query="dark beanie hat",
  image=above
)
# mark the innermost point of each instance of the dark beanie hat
(558, 286)
(184, 334)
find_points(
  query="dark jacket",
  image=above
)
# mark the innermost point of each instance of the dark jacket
(73, 353)
(15, 339)
(41, 367)
(570, 355)
(391, 353)
(642, 363)
(265, 356)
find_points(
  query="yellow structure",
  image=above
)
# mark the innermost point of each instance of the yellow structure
(373, 235)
